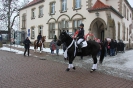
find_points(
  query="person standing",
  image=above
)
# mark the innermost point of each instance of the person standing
(26, 45)
(112, 48)
(52, 46)
(80, 36)
(106, 46)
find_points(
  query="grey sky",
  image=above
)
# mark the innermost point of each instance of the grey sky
(130, 2)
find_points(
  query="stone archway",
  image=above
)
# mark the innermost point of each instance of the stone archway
(98, 27)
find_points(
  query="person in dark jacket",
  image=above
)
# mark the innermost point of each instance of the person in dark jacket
(26, 45)
(106, 46)
(80, 36)
(112, 48)
(115, 42)
(39, 37)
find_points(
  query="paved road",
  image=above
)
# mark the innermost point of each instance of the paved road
(17, 71)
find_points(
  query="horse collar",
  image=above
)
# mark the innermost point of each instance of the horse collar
(65, 53)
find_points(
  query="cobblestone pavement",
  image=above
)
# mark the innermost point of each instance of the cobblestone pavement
(86, 63)
(17, 71)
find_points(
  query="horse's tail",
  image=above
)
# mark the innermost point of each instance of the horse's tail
(102, 53)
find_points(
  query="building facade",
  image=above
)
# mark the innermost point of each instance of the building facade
(103, 18)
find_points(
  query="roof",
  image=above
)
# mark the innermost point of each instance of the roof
(99, 5)
(32, 3)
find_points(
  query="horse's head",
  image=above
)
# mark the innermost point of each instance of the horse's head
(62, 38)
(43, 38)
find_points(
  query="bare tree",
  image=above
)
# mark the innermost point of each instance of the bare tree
(9, 11)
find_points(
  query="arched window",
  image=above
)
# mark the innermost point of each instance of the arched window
(76, 25)
(51, 30)
(63, 25)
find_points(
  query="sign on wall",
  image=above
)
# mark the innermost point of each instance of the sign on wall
(28, 32)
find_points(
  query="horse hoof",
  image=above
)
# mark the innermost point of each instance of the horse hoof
(92, 70)
(67, 69)
(74, 68)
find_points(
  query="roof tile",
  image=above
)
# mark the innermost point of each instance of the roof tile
(99, 5)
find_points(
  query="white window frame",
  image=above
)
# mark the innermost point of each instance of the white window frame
(76, 24)
(40, 29)
(64, 5)
(77, 4)
(33, 13)
(51, 30)
(32, 32)
(52, 7)
(40, 11)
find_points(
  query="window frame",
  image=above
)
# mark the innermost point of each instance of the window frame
(40, 11)
(52, 8)
(40, 29)
(24, 21)
(63, 5)
(75, 28)
(51, 30)
(60, 26)
(75, 4)
(32, 32)
(33, 11)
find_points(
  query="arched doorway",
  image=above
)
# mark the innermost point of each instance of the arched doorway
(97, 27)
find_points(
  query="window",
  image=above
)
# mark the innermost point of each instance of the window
(41, 11)
(32, 32)
(77, 4)
(118, 30)
(127, 34)
(33, 13)
(52, 8)
(63, 5)
(76, 24)
(127, 14)
(63, 25)
(24, 21)
(124, 12)
(51, 30)
(123, 32)
(40, 30)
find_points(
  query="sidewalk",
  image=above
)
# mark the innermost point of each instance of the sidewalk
(17, 71)
(110, 66)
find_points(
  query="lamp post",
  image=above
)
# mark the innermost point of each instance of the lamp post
(97, 14)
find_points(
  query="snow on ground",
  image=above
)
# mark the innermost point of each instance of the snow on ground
(123, 61)
(32, 48)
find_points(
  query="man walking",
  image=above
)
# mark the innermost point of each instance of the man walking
(26, 45)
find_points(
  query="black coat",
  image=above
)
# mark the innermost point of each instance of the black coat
(27, 43)
(112, 45)
(115, 43)
(39, 37)
(81, 34)
(106, 43)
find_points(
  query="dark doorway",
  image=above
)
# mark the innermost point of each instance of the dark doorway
(102, 35)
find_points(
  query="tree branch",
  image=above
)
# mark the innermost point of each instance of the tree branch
(14, 20)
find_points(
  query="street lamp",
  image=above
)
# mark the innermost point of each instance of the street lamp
(97, 14)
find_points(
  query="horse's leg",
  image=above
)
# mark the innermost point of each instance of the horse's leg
(70, 65)
(40, 50)
(94, 67)
(34, 48)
